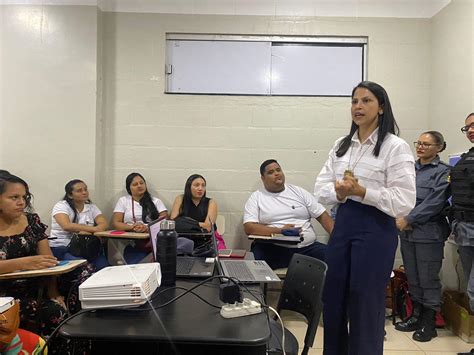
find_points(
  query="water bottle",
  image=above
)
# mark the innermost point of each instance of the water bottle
(166, 252)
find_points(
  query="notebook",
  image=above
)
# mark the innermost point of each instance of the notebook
(186, 266)
(277, 238)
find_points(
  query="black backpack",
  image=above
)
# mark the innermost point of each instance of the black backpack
(462, 183)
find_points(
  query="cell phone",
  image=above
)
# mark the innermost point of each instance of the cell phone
(61, 263)
(232, 253)
(238, 253)
(225, 253)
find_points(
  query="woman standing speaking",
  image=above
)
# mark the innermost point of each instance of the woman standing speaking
(370, 174)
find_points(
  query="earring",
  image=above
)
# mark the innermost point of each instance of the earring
(380, 112)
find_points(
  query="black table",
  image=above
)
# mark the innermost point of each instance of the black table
(185, 326)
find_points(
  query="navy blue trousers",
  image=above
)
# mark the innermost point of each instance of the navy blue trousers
(360, 257)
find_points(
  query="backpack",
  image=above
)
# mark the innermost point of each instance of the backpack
(403, 300)
(187, 225)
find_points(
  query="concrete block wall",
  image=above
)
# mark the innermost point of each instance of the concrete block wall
(225, 138)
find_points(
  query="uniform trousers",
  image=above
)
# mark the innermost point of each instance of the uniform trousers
(360, 257)
(466, 254)
(422, 263)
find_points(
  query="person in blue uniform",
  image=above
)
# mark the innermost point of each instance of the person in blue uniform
(462, 185)
(370, 173)
(422, 235)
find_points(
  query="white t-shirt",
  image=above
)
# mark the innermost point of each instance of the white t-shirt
(87, 217)
(294, 205)
(124, 205)
(389, 179)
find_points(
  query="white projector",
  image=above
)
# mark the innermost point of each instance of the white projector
(120, 286)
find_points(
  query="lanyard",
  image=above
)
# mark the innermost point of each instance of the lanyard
(133, 211)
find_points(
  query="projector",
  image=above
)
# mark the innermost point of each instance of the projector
(120, 286)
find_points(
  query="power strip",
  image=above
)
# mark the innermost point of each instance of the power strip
(246, 308)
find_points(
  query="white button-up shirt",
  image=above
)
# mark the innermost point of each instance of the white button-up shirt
(389, 179)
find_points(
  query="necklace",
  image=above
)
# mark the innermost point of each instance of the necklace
(350, 169)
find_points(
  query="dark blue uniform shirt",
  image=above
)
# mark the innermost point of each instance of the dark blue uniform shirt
(432, 194)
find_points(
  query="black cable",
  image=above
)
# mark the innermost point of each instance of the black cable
(168, 289)
(181, 295)
(54, 332)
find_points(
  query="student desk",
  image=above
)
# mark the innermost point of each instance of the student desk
(189, 325)
(117, 244)
(55, 270)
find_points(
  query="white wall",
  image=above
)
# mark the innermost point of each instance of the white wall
(82, 96)
(225, 138)
(48, 97)
(452, 93)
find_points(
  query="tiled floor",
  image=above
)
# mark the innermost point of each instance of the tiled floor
(396, 343)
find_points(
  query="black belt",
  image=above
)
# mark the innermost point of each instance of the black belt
(464, 216)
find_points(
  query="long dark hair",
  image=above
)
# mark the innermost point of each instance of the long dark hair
(68, 189)
(148, 207)
(188, 196)
(387, 123)
(7, 178)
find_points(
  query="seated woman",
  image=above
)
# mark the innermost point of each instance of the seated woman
(132, 212)
(75, 213)
(194, 204)
(24, 246)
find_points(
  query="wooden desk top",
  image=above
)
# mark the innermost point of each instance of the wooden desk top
(124, 235)
(55, 270)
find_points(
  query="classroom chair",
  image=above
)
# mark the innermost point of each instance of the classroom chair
(301, 293)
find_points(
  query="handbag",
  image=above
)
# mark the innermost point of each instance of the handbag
(9, 322)
(187, 225)
(84, 246)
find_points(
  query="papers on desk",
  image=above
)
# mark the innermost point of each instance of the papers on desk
(55, 270)
(277, 238)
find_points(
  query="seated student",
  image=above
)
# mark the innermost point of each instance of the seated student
(279, 206)
(194, 203)
(132, 212)
(24, 246)
(75, 213)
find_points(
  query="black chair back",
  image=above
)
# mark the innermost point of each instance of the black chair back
(302, 291)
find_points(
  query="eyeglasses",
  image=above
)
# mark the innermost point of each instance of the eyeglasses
(423, 144)
(466, 128)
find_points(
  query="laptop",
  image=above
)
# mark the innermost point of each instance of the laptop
(186, 266)
(246, 271)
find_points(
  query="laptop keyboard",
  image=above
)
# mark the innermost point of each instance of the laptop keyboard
(239, 271)
(184, 266)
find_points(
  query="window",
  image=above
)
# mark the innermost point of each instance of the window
(259, 65)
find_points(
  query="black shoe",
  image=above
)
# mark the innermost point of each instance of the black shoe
(412, 323)
(428, 326)
(425, 334)
(469, 353)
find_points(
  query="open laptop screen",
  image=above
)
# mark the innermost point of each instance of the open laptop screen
(153, 229)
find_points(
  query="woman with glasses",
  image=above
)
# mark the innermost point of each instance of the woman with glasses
(462, 186)
(422, 235)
